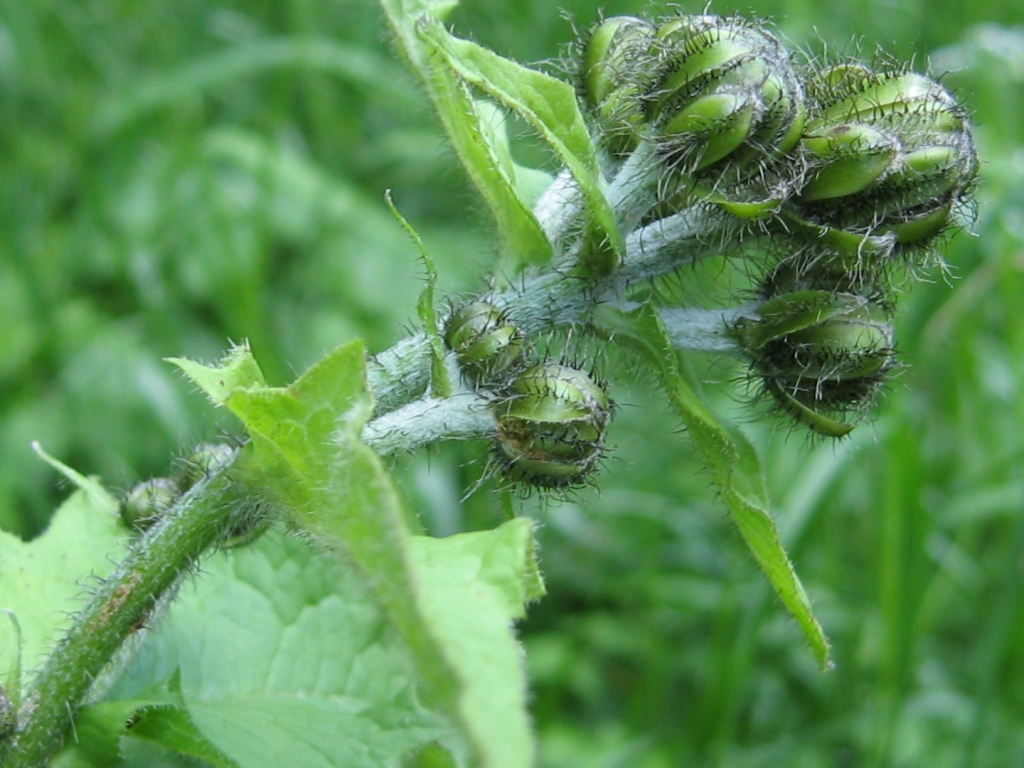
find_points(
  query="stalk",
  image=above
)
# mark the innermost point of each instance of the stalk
(122, 603)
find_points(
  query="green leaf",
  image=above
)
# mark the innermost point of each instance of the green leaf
(547, 103)
(471, 585)
(731, 461)
(172, 727)
(236, 370)
(286, 659)
(98, 730)
(521, 237)
(530, 183)
(306, 439)
(41, 580)
(440, 383)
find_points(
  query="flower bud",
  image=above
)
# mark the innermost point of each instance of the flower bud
(201, 462)
(887, 153)
(819, 351)
(486, 344)
(727, 95)
(551, 427)
(148, 501)
(616, 71)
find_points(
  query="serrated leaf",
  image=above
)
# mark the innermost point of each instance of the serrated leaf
(731, 461)
(545, 102)
(521, 237)
(98, 730)
(306, 441)
(236, 370)
(173, 728)
(285, 658)
(41, 581)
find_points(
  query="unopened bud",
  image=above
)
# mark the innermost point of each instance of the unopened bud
(887, 153)
(551, 428)
(486, 344)
(148, 501)
(616, 72)
(727, 96)
(819, 352)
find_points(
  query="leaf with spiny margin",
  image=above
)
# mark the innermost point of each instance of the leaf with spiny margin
(546, 103)
(173, 728)
(522, 241)
(236, 370)
(731, 460)
(307, 442)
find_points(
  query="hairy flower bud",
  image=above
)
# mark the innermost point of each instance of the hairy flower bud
(887, 153)
(616, 71)
(551, 426)
(819, 352)
(201, 462)
(486, 344)
(726, 92)
(147, 501)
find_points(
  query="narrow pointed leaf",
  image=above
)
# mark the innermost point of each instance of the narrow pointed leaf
(731, 461)
(521, 237)
(545, 102)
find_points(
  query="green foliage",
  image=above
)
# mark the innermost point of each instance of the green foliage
(177, 176)
(484, 159)
(548, 104)
(732, 463)
(443, 601)
(41, 580)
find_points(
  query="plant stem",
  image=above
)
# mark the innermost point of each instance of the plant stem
(119, 608)
(460, 416)
(706, 330)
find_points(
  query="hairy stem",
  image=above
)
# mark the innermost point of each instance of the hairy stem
(460, 416)
(544, 301)
(119, 607)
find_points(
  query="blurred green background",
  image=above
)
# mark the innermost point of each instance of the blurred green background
(175, 175)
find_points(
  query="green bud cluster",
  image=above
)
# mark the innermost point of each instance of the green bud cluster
(844, 158)
(711, 93)
(842, 173)
(551, 417)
